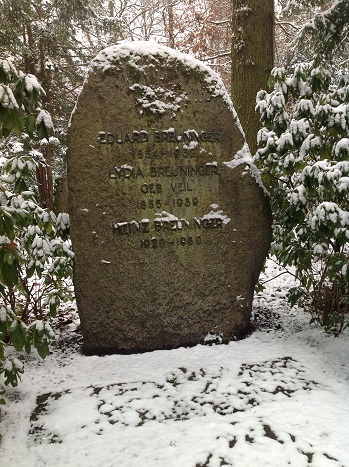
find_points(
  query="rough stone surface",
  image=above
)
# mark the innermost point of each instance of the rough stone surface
(169, 225)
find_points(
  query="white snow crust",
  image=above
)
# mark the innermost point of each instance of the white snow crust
(278, 398)
(134, 51)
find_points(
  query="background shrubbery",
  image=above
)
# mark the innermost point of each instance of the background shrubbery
(35, 255)
(304, 158)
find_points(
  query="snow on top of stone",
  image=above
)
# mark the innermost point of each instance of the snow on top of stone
(135, 50)
(107, 57)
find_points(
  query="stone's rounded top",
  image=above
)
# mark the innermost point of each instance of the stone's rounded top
(136, 51)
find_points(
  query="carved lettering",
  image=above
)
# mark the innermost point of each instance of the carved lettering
(122, 138)
(155, 242)
(127, 228)
(208, 170)
(165, 136)
(144, 226)
(168, 225)
(180, 186)
(151, 188)
(125, 172)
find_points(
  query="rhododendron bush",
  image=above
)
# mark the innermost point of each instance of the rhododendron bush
(304, 158)
(35, 255)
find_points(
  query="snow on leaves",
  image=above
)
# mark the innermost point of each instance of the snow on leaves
(7, 99)
(35, 255)
(20, 101)
(303, 153)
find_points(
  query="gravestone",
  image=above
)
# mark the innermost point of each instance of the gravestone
(169, 223)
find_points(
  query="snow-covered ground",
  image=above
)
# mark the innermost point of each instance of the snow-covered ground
(278, 398)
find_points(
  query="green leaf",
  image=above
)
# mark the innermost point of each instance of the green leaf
(9, 226)
(30, 124)
(49, 228)
(17, 338)
(10, 274)
(43, 350)
(3, 331)
(42, 131)
(30, 271)
(2, 224)
(27, 346)
(9, 257)
(6, 132)
(13, 326)
(3, 114)
(53, 309)
(18, 123)
(35, 338)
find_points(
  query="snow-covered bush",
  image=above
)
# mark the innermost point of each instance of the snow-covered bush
(35, 254)
(304, 158)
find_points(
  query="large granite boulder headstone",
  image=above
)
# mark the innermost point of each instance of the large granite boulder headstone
(169, 222)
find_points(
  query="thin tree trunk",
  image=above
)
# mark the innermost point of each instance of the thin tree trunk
(170, 25)
(44, 173)
(29, 60)
(252, 59)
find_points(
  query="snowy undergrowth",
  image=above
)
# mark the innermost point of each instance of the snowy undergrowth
(276, 398)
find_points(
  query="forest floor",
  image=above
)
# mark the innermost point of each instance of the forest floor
(279, 397)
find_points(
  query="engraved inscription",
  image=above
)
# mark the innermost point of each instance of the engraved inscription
(169, 224)
(160, 152)
(181, 186)
(155, 242)
(203, 170)
(186, 171)
(158, 203)
(106, 137)
(151, 188)
(163, 182)
(165, 136)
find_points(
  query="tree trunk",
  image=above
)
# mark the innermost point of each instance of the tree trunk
(44, 173)
(171, 41)
(252, 59)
